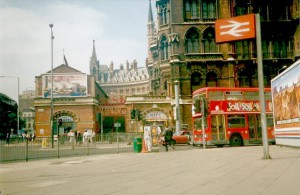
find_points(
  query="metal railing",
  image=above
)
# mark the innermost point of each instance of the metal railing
(16, 149)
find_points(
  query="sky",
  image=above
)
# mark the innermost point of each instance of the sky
(119, 28)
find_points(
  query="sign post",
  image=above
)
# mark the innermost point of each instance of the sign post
(117, 125)
(241, 28)
(261, 89)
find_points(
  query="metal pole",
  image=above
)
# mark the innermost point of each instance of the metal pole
(51, 117)
(203, 128)
(101, 124)
(261, 89)
(177, 107)
(18, 105)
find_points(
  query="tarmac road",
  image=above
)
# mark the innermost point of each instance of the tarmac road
(228, 170)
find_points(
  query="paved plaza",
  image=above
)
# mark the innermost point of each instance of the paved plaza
(237, 170)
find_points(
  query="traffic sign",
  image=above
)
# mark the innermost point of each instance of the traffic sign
(117, 125)
(234, 29)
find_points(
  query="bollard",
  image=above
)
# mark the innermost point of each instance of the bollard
(44, 142)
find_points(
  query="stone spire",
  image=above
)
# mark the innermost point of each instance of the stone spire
(94, 56)
(150, 14)
(94, 63)
(151, 32)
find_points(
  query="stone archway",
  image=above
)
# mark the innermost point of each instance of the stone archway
(69, 121)
(158, 115)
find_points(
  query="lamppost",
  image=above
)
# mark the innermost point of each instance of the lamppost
(177, 110)
(18, 109)
(283, 67)
(51, 117)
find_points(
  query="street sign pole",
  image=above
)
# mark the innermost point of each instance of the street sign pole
(261, 88)
(203, 128)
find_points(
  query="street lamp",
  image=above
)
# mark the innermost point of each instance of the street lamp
(283, 68)
(177, 110)
(51, 117)
(18, 110)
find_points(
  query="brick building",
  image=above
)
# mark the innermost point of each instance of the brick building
(182, 47)
(76, 101)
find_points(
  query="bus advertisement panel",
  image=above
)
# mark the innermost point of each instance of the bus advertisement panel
(232, 116)
(286, 101)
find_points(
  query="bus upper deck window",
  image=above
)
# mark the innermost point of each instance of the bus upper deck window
(251, 95)
(215, 95)
(234, 95)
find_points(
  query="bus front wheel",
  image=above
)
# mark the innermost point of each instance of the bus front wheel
(236, 140)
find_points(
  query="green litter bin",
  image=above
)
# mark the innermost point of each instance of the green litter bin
(137, 145)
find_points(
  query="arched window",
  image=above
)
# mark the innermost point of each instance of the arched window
(209, 44)
(196, 81)
(211, 79)
(164, 48)
(192, 41)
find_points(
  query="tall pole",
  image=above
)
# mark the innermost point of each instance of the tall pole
(18, 105)
(51, 117)
(203, 128)
(261, 89)
(177, 107)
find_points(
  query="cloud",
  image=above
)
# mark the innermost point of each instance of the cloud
(25, 44)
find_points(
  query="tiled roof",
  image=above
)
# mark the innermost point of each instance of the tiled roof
(124, 76)
(64, 69)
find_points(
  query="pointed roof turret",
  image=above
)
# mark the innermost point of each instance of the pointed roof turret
(94, 56)
(150, 14)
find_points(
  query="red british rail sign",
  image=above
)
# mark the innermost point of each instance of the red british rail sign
(234, 29)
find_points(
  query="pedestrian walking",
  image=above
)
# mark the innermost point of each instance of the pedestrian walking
(168, 138)
(78, 136)
(7, 137)
(148, 138)
(72, 138)
(85, 137)
(91, 137)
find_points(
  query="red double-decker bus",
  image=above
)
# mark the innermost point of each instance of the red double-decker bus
(231, 116)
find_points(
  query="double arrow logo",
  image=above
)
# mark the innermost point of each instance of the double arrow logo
(234, 29)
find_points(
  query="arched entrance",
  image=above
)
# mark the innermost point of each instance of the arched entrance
(156, 115)
(68, 121)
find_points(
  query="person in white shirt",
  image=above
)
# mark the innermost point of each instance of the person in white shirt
(72, 139)
(85, 137)
(148, 138)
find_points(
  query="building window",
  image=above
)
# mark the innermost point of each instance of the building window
(192, 41)
(164, 48)
(209, 9)
(241, 8)
(242, 49)
(191, 9)
(163, 15)
(196, 81)
(245, 78)
(209, 44)
(211, 79)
